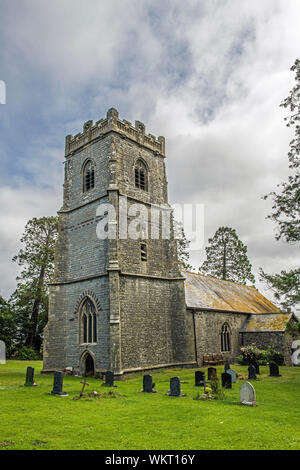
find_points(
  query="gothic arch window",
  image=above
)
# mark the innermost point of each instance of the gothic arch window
(225, 338)
(141, 175)
(88, 176)
(88, 322)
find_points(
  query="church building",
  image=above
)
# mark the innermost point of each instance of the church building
(121, 303)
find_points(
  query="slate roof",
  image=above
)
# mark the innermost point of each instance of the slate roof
(267, 322)
(210, 293)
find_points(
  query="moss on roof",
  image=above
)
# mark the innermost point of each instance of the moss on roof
(208, 292)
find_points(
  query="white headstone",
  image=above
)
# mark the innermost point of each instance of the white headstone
(2, 352)
(247, 394)
(296, 352)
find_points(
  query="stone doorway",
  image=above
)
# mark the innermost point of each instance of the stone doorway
(89, 366)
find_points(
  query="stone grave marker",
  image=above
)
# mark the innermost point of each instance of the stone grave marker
(175, 387)
(2, 352)
(148, 385)
(29, 381)
(255, 364)
(274, 370)
(232, 372)
(251, 372)
(247, 394)
(58, 384)
(211, 373)
(109, 379)
(199, 378)
(226, 380)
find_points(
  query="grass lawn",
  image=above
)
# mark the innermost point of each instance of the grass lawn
(32, 418)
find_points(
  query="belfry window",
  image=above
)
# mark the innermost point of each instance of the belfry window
(88, 322)
(225, 338)
(88, 176)
(143, 252)
(140, 176)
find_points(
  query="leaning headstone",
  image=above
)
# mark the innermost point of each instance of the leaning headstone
(226, 366)
(232, 372)
(251, 372)
(29, 381)
(247, 394)
(148, 385)
(226, 380)
(2, 352)
(58, 384)
(199, 378)
(274, 369)
(109, 379)
(211, 373)
(175, 387)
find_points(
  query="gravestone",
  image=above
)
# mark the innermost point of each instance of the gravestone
(29, 381)
(232, 372)
(109, 379)
(247, 394)
(2, 352)
(251, 372)
(255, 364)
(226, 366)
(274, 370)
(175, 387)
(199, 378)
(226, 380)
(58, 384)
(211, 373)
(148, 385)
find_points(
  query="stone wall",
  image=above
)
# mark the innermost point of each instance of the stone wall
(208, 327)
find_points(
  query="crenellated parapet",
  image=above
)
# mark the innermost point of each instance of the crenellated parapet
(112, 122)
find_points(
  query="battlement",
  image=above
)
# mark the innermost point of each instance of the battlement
(112, 122)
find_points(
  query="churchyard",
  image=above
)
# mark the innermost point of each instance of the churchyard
(88, 415)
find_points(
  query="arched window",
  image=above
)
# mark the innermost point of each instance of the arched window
(88, 176)
(141, 176)
(225, 338)
(88, 322)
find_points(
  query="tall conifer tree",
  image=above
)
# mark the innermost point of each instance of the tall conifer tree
(226, 257)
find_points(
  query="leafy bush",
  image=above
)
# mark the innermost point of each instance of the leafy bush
(27, 353)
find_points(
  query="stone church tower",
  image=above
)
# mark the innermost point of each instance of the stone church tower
(116, 302)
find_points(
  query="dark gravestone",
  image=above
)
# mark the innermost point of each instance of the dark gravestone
(109, 379)
(251, 372)
(211, 373)
(175, 387)
(58, 384)
(199, 378)
(29, 381)
(255, 364)
(226, 366)
(148, 385)
(226, 380)
(274, 369)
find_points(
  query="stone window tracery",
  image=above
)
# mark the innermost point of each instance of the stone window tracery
(88, 176)
(141, 175)
(88, 322)
(225, 338)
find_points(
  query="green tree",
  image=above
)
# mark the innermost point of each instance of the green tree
(286, 286)
(30, 300)
(8, 327)
(182, 246)
(226, 257)
(286, 204)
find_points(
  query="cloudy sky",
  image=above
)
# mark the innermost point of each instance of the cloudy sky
(209, 75)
